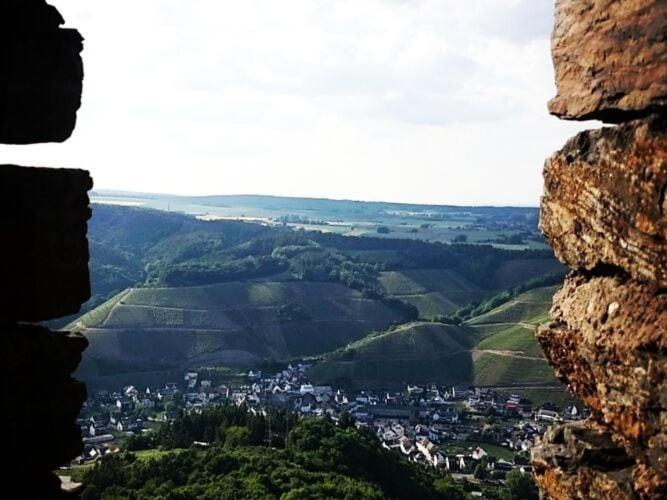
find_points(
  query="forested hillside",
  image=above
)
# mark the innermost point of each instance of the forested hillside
(315, 460)
(132, 246)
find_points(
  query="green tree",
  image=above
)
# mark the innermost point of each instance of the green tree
(345, 420)
(236, 436)
(449, 489)
(519, 486)
(480, 471)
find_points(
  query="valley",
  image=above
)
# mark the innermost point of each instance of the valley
(172, 292)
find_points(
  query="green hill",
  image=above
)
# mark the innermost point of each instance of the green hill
(531, 307)
(496, 348)
(410, 353)
(432, 291)
(149, 329)
(437, 292)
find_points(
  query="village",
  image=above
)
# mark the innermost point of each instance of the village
(465, 431)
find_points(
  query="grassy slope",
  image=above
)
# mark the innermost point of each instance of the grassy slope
(162, 329)
(515, 338)
(432, 291)
(97, 315)
(530, 308)
(492, 369)
(485, 351)
(513, 272)
(414, 352)
(438, 292)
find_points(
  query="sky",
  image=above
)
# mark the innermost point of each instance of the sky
(420, 101)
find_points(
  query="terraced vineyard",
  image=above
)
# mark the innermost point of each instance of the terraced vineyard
(515, 271)
(432, 291)
(496, 348)
(529, 308)
(416, 352)
(229, 294)
(148, 329)
(436, 292)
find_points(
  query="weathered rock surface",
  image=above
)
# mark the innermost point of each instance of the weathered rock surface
(44, 250)
(39, 426)
(610, 59)
(605, 199)
(579, 460)
(604, 211)
(608, 342)
(41, 73)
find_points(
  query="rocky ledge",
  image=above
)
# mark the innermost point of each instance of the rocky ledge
(36, 368)
(604, 211)
(622, 377)
(604, 199)
(610, 59)
(579, 460)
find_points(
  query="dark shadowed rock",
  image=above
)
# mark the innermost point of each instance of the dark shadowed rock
(44, 250)
(604, 199)
(41, 73)
(39, 425)
(610, 59)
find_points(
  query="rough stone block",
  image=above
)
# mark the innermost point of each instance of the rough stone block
(605, 202)
(43, 245)
(610, 59)
(580, 460)
(608, 342)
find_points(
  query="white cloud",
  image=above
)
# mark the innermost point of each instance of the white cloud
(437, 101)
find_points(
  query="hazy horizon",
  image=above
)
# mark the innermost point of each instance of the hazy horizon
(416, 101)
(123, 192)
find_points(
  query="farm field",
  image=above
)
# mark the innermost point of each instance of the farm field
(500, 452)
(516, 338)
(505, 369)
(434, 223)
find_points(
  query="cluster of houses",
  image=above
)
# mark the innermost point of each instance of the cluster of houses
(108, 417)
(444, 427)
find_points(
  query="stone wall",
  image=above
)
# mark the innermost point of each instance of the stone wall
(604, 211)
(43, 252)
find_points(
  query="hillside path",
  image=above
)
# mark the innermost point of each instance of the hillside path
(510, 354)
